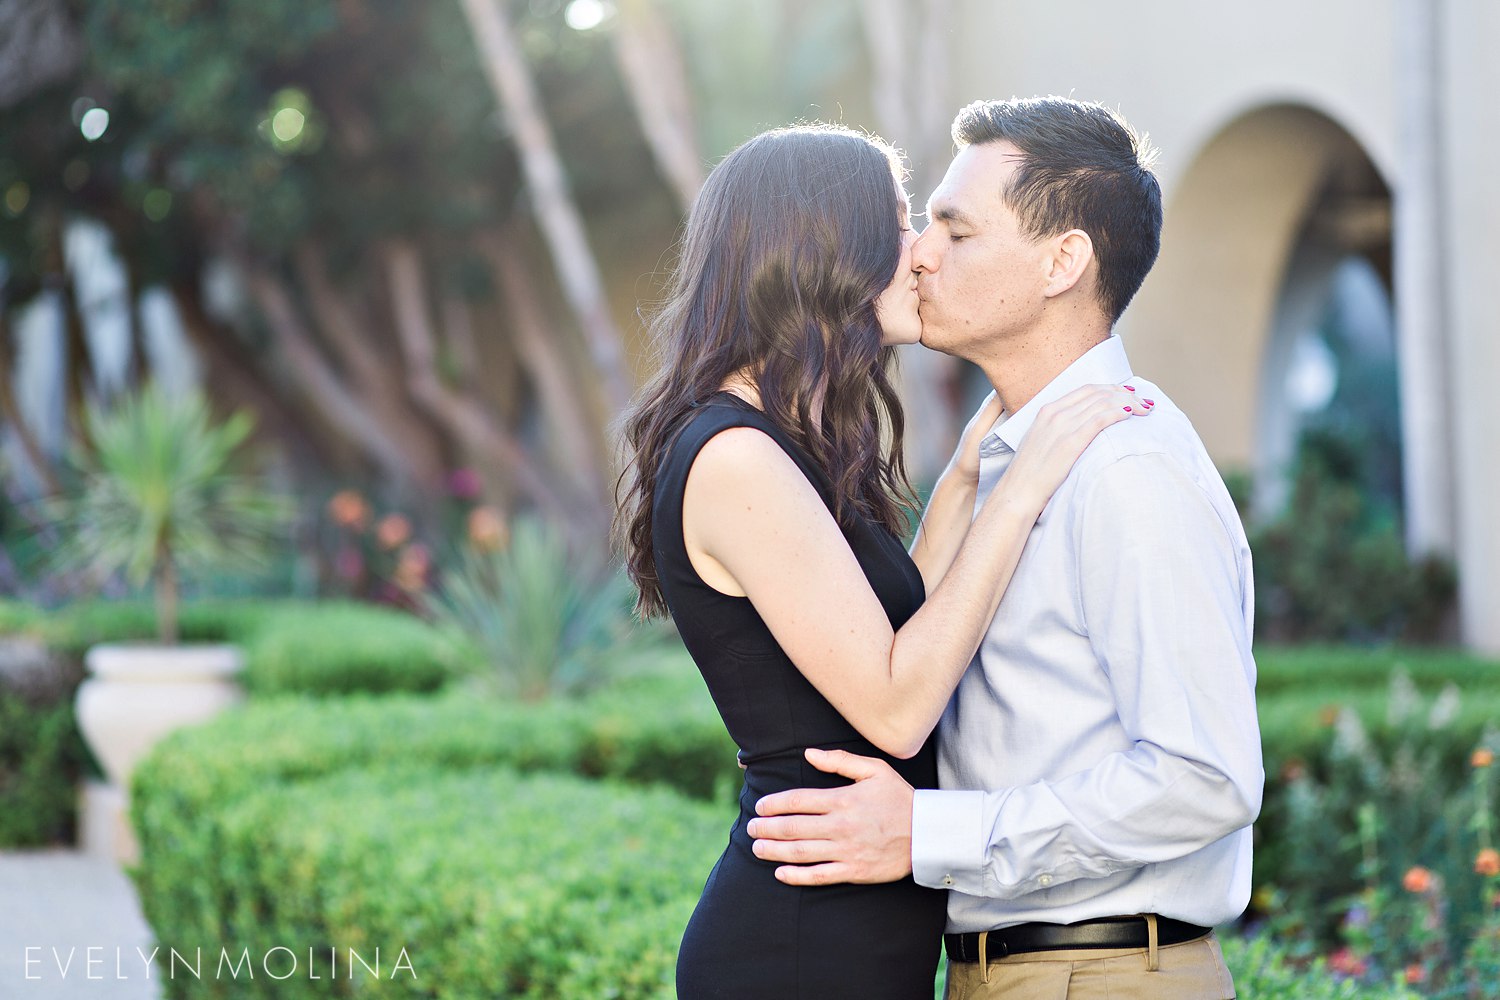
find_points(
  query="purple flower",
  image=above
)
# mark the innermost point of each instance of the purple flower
(464, 484)
(349, 564)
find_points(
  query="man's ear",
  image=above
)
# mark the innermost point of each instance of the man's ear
(1071, 254)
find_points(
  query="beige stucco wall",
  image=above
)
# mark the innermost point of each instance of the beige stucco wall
(1471, 222)
(1186, 73)
(1211, 84)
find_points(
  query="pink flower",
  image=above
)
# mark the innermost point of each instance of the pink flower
(349, 564)
(465, 484)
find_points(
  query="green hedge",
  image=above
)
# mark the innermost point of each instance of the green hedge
(1261, 970)
(662, 731)
(319, 648)
(339, 648)
(41, 758)
(291, 648)
(1343, 670)
(496, 885)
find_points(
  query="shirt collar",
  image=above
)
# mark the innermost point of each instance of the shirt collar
(1103, 363)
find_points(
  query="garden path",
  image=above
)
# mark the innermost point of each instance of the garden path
(61, 908)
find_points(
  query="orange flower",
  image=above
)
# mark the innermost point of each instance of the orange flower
(1487, 862)
(411, 568)
(1347, 963)
(392, 531)
(349, 510)
(488, 531)
(1416, 973)
(1483, 757)
(1328, 714)
(1417, 879)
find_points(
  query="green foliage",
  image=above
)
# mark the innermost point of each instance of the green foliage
(160, 495)
(1332, 568)
(1263, 970)
(540, 619)
(337, 648)
(662, 731)
(246, 822)
(41, 759)
(450, 867)
(1374, 797)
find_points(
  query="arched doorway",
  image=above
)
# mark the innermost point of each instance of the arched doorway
(1270, 308)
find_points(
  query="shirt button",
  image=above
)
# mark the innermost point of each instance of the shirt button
(947, 879)
(1044, 881)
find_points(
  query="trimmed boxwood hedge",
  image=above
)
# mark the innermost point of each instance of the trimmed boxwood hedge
(41, 756)
(291, 647)
(495, 884)
(663, 731)
(337, 648)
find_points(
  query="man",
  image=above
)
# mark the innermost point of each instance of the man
(1100, 761)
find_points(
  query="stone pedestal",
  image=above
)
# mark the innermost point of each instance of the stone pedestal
(104, 829)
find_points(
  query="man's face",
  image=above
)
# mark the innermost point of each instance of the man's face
(980, 281)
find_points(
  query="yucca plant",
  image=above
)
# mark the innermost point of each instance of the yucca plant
(536, 616)
(166, 490)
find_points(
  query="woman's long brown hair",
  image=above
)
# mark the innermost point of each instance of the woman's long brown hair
(791, 239)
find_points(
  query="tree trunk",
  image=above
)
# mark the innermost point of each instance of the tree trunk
(561, 225)
(10, 409)
(650, 61)
(166, 598)
(564, 403)
(243, 378)
(346, 411)
(911, 113)
(464, 416)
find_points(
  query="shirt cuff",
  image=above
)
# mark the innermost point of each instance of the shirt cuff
(947, 847)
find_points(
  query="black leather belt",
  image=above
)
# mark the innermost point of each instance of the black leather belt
(1107, 932)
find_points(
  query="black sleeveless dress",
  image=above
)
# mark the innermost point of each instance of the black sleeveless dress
(752, 937)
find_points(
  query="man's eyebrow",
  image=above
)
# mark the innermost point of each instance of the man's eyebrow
(949, 214)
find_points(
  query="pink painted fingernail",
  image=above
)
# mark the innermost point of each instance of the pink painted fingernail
(1127, 409)
(1150, 402)
(1131, 388)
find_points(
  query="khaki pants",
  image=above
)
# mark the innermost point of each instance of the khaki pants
(1193, 970)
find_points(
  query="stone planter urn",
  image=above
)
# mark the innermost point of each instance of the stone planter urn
(135, 694)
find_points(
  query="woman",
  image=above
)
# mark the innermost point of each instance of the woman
(764, 515)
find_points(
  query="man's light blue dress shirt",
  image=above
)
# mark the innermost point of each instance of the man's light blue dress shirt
(1101, 756)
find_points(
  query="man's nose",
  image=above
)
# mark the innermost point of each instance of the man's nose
(923, 258)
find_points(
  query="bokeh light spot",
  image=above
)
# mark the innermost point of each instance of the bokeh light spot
(287, 124)
(157, 203)
(17, 197)
(582, 15)
(94, 123)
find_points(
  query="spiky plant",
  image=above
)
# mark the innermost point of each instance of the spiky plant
(164, 491)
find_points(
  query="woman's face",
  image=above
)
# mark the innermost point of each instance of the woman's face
(896, 308)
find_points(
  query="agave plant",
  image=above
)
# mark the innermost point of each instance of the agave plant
(537, 616)
(163, 493)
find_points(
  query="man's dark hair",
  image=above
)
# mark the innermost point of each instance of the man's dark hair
(1083, 167)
